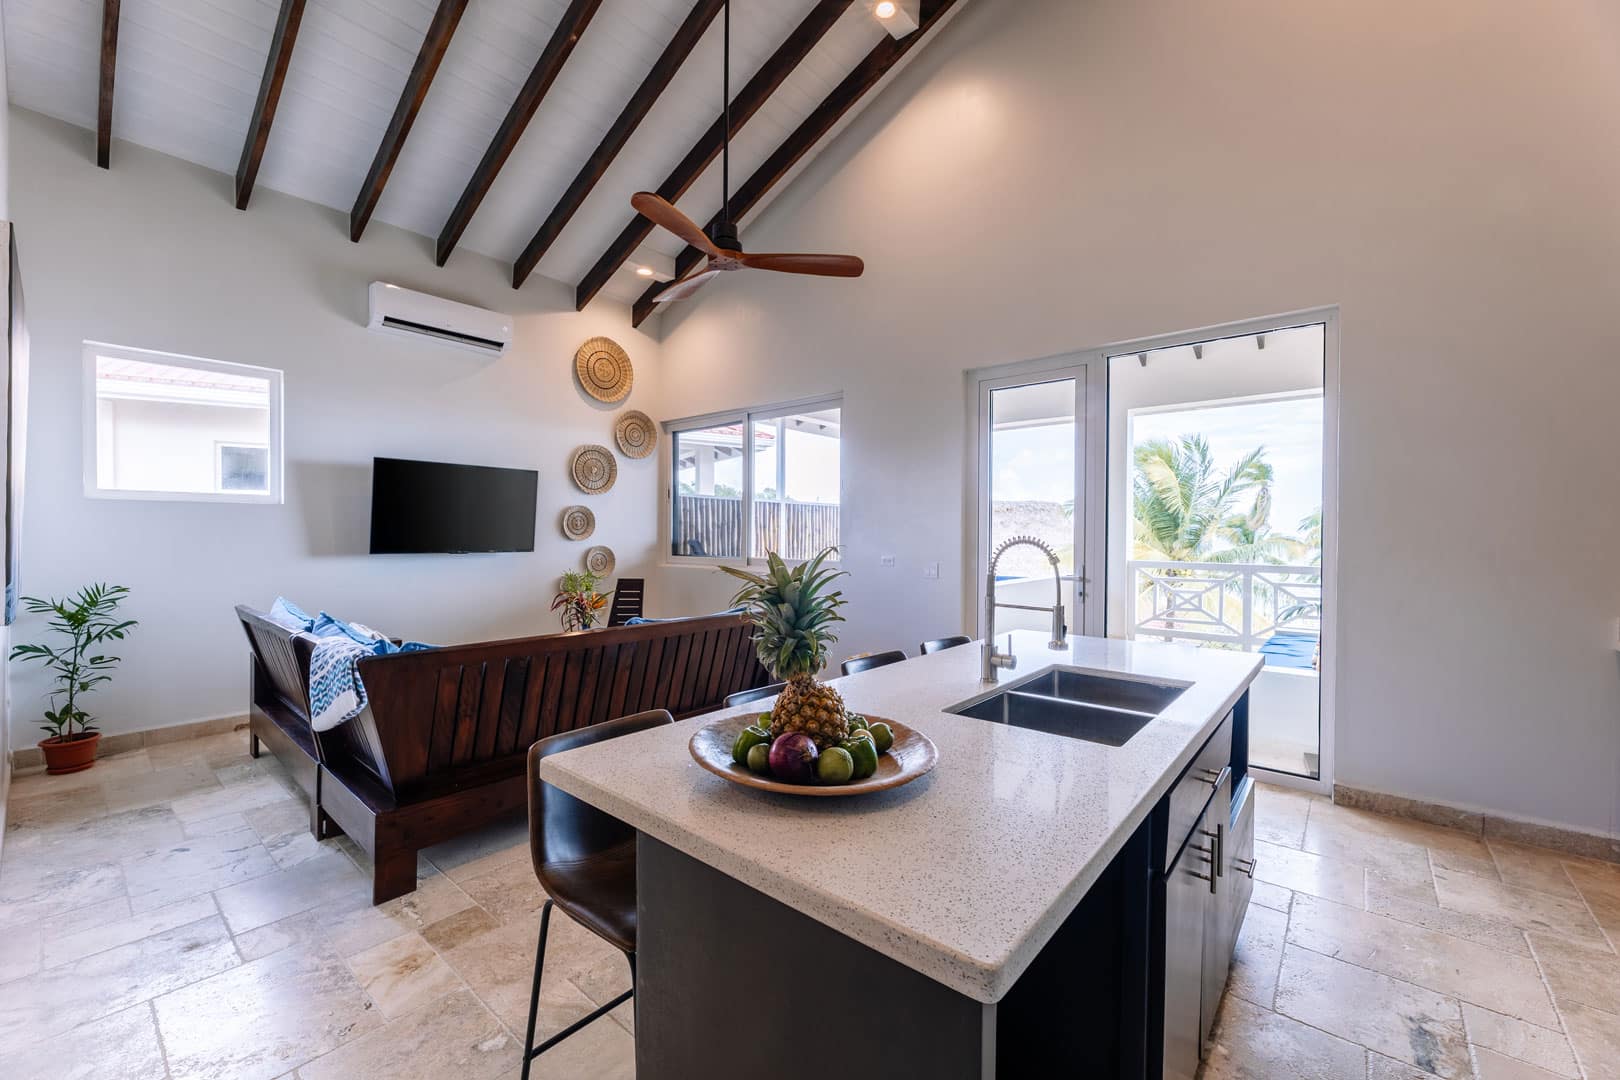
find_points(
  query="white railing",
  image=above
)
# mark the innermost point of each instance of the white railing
(1236, 604)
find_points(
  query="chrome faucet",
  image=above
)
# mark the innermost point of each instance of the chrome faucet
(989, 658)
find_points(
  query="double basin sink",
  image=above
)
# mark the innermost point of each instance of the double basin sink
(1075, 703)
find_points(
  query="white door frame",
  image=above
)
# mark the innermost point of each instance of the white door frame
(1328, 673)
(1090, 375)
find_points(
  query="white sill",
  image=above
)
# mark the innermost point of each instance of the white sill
(272, 498)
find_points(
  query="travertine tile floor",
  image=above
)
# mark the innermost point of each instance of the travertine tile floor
(170, 915)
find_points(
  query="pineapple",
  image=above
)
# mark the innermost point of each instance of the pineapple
(793, 612)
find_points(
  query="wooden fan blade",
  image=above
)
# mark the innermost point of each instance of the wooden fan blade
(823, 265)
(686, 286)
(662, 212)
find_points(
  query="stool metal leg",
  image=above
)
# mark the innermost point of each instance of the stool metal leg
(534, 994)
(531, 1051)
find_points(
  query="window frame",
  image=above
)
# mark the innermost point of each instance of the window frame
(92, 486)
(746, 417)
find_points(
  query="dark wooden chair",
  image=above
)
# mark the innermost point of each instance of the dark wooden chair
(585, 860)
(627, 597)
(743, 697)
(940, 644)
(872, 660)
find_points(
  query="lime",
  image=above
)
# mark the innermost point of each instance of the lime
(882, 735)
(759, 758)
(835, 766)
(856, 721)
(864, 751)
(747, 739)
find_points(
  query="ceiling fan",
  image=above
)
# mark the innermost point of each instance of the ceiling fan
(724, 249)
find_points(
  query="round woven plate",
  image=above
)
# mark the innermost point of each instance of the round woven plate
(578, 522)
(599, 560)
(593, 468)
(912, 755)
(603, 369)
(636, 434)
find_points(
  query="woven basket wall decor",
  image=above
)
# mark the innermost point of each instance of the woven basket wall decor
(636, 434)
(578, 522)
(599, 560)
(603, 369)
(593, 468)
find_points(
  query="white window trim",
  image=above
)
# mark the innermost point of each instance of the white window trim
(92, 488)
(746, 417)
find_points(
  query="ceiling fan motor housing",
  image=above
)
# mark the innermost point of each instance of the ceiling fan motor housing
(724, 234)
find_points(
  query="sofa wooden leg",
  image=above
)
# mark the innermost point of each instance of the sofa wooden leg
(253, 745)
(393, 874)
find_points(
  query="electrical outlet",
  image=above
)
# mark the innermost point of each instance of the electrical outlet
(931, 571)
(885, 560)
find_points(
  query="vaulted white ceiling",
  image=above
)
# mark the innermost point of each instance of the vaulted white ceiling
(188, 74)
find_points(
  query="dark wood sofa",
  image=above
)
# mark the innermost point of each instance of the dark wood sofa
(440, 749)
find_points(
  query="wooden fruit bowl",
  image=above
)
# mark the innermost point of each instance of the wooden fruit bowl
(912, 755)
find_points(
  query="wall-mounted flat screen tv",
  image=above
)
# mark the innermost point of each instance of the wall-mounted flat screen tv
(433, 507)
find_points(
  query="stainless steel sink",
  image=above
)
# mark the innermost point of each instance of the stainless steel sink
(1075, 703)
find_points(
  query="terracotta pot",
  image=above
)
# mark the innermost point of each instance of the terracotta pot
(71, 755)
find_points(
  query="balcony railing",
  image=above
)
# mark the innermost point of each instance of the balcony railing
(1234, 604)
(713, 525)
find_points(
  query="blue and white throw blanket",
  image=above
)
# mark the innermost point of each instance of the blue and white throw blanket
(336, 693)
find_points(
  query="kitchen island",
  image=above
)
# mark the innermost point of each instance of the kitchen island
(1025, 909)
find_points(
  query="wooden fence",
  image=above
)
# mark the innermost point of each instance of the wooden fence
(713, 525)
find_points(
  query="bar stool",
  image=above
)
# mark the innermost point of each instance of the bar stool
(585, 861)
(872, 660)
(743, 697)
(940, 644)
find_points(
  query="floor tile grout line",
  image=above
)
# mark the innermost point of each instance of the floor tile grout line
(157, 1031)
(1449, 995)
(1558, 1008)
(1472, 1042)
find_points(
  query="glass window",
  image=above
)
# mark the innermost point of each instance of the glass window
(177, 427)
(708, 521)
(777, 471)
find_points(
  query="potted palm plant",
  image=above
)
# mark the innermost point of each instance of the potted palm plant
(81, 624)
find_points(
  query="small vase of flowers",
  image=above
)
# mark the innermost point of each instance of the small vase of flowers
(578, 600)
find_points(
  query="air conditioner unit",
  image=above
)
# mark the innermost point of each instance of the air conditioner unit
(412, 314)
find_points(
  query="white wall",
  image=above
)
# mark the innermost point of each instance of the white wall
(170, 445)
(152, 254)
(1052, 175)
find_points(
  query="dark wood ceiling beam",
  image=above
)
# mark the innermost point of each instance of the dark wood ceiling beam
(635, 110)
(556, 53)
(765, 81)
(434, 44)
(264, 110)
(109, 62)
(867, 74)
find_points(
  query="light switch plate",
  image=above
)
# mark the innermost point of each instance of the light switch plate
(931, 571)
(885, 560)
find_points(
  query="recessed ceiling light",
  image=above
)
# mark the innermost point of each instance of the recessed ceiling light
(644, 271)
(885, 9)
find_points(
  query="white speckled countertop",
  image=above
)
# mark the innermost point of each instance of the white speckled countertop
(965, 874)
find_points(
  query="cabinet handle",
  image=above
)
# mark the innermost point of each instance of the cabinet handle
(1210, 854)
(1219, 846)
(1212, 777)
(1247, 869)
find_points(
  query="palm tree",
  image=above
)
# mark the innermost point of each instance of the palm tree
(1182, 504)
